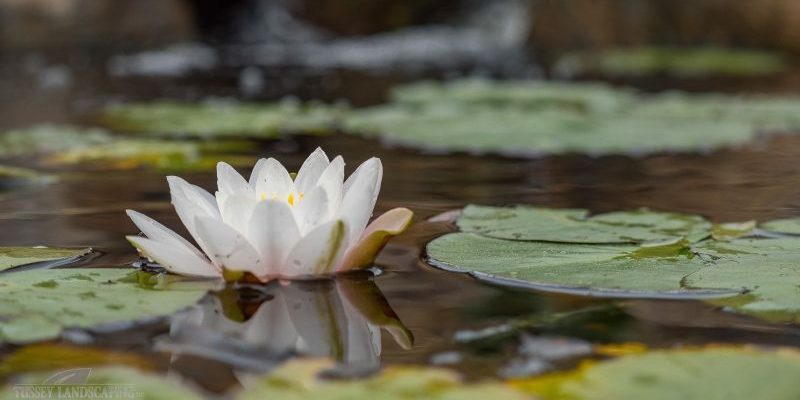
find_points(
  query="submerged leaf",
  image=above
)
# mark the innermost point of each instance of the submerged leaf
(39, 304)
(302, 379)
(59, 357)
(697, 374)
(732, 230)
(11, 257)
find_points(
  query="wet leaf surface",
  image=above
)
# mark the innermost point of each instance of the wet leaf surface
(701, 374)
(221, 119)
(11, 257)
(39, 304)
(533, 118)
(301, 379)
(786, 225)
(764, 271)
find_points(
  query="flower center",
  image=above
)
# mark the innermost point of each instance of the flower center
(292, 198)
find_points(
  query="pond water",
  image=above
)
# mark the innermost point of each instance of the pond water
(456, 320)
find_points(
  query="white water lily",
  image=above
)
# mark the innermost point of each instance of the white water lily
(273, 226)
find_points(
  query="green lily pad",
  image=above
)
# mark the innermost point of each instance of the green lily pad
(221, 119)
(11, 177)
(102, 382)
(300, 379)
(767, 269)
(41, 139)
(675, 61)
(575, 226)
(590, 269)
(533, 118)
(38, 304)
(11, 257)
(60, 145)
(697, 374)
(732, 230)
(786, 225)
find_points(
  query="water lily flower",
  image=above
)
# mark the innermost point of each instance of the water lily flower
(274, 226)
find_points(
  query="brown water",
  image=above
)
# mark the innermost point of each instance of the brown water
(86, 208)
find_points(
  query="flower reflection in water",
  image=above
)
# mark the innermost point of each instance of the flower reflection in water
(255, 327)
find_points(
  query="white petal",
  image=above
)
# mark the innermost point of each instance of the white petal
(273, 232)
(331, 179)
(174, 259)
(319, 319)
(372, 163)
(359, 198)
(317, 252)
(274, 181)
(313, 210)
(237, 211)
(256, 172)
(195, 194)
(227, 247)
(311, 170)
(187, 211)
(271, 326)
(160, 233)
(229, 181)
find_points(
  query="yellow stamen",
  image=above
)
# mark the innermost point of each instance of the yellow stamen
(291, 199)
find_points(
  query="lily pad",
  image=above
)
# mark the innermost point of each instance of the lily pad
(533, 118)
(696, 374)
(103, 382)
(217, 119)
(303, 379)
(786, 225)
(674, 61)
(757, 276)
(38, 304)
(11, 257)
(11, 177)
(768, 270)
(575, 226)
(60, 145)
(581, 269)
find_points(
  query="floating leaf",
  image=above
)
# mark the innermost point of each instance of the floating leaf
(767, 269)
(41, 139)
(221, 119)
(38, 304)
(554, 118)
(732, 230)
(103, 382)
(59, 357)
(756, 276)
(11, 257)
(585, 268)
(11, 177)
(675, 61)
(787, 225)
(701, 374)
(301, 379)
(574, 226)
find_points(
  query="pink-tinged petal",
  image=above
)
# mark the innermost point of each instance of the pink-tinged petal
(273, 232)
(229, 181)
(311, 170)
(318, 251)
(313, 210)
(359, 198)
(228, 248)
(274, 181)
(160, 233)
(174, 259)
(375, 237)
(331, 179)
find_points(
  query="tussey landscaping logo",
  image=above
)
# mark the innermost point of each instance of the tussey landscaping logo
(73, 384)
